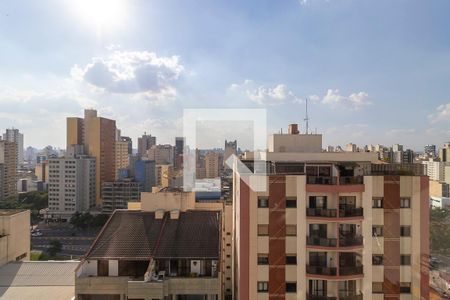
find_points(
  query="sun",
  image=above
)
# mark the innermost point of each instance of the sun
(100, 13)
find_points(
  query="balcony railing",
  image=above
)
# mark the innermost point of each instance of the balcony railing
(353, 297)
(343, 180)
(318, 297)
(352, 270)
(321, 212)
(329, 180)
(318, 270)
(351, 241)
(323, 242)
(351, 212)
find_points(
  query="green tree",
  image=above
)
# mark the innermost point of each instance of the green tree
(55, 248)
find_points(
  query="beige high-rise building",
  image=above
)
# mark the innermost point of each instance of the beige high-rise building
(212, 165)
(98, 135)
(444, 153)
(8, 169)
(122, 156)
(41, 171)
(164, 175)
(161, 154)
(330, 226)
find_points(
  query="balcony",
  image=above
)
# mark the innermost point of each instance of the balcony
(351, 212)
(328, 180)
(321, 212)
(351, 270)
(351, 241)
(346, 180)
(318, 297)
(353, 297)
(322, 242)
(318, 270)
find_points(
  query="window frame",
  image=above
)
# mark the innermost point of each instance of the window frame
(380, 200)
(261, 200)
(260, 227)
(262, 286)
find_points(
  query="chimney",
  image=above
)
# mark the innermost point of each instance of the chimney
(174, 214)
(293, 129)
(159, 214)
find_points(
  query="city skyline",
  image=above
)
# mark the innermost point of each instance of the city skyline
(128, 60)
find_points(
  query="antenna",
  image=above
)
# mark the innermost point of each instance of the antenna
(307, 118)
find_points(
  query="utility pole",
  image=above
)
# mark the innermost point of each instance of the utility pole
(307, 118)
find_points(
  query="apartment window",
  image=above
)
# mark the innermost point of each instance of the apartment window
(405, 230)
(377, 287)
(291, 230)
(263, 259)
(291, 202)
(102, 268)
(377, 259)
(405, 202)
(263, 202)
(263, 286)
(377, 202)
(405, 260)
(291, 259)
(263, 230)
(405, 287)
(377, 231)
(291, 287)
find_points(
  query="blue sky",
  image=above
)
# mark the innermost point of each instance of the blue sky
(374, 71)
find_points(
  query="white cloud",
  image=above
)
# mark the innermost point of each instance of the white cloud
(263, 95)
(398, 132)
(139, 73)
(442, 114)
(354, 101)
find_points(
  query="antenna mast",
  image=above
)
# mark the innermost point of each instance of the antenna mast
(307, 118)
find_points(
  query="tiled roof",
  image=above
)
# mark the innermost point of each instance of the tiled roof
(133, 235)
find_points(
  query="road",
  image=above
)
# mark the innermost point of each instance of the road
(75, 242)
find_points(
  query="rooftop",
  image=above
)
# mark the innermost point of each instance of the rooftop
(134, 235)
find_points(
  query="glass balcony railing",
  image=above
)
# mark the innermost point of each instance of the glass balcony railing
(329, 180)
(319, 297)
(351, 212)
(321, 212)
(350, 270)
(318, 270)
(322, 242)
(343, 180)
(352, 297)
(351, 241)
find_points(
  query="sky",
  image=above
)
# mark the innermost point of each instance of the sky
(375, 72)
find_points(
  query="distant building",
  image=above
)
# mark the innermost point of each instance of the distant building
(178, 153)
(8, 169)
(212, 165)
(351, 148)
(161, 154)
(98, 136)
(430, 150)
(164, 176)
(14, 235)
(41, 171)
(145, 142)
(444, 153)
(13, 135)
(122, 156)
(71, 185)
(230, 149)
(435, 169)
(439, 189)
(144, 172)
(117, 194)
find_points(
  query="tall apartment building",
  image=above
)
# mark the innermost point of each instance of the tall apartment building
(144, 172)
(161, 154)
(71, 185)
(122, 156)
(351, 148)
(229, 149)
(212, 165)
(430, 150)
(117, 194)
(435, 169)
(13, 135)
(178, 153)
(444, 153)
(41, 171)
(98, 136)
(145, 142)
(164, 175)
(8, 169)
(330, 226)
(14, 235)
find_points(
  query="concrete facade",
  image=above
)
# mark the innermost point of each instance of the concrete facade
(14, 235)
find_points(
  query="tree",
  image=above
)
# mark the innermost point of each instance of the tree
(55, 248)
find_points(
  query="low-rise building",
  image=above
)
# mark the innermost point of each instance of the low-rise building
(14, 235)
(117, 194)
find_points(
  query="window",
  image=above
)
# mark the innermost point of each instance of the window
(405, 260)
(377, 231)
(405, 230)
(291, 259)
(377, 202)
(263, 286)
(263, 230)
(263, 202)
(405, 287)
(377, 287)
(102, 268)
(291, 287)
(291, 203)
(263, 259)
(377, 259)
(405, 202)
(291, 230)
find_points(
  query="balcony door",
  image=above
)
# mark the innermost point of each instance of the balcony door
(347, 230)
(318, 259)
(318, 231)
(347, 259)
(347, 288)
(318, 202)
(318, 288)
(347, 203)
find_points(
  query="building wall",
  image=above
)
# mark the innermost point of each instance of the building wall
(212, 165)
(14, 236)
(122, 157)
(8, 176)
